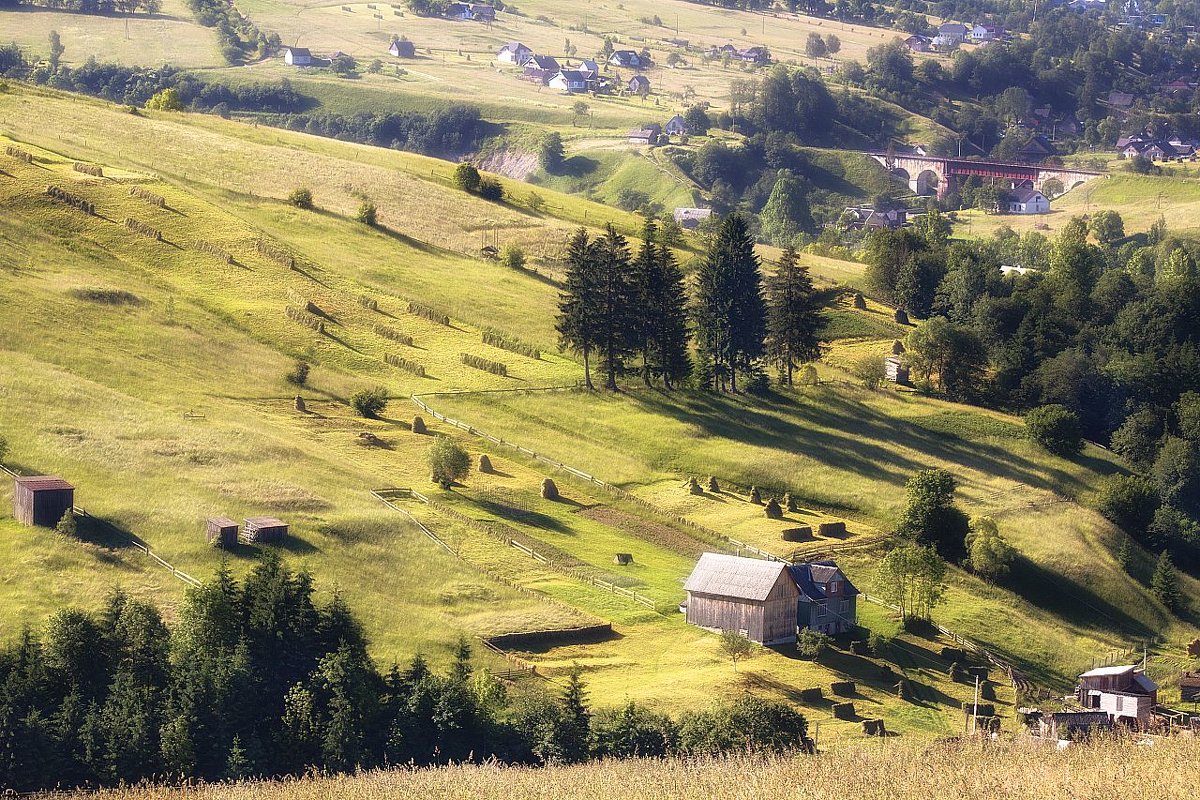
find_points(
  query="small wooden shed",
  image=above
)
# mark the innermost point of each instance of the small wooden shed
(42, 499)
(263, 530)
(222, 532)
(755, 598)
(897, 372)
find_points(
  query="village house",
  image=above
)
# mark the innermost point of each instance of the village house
(676, 126)
(1119, 101)
(949, 35)
(722, 51)
(1037, 149)
(471, 12)
(690, 218)
(569, 80)
(986, 32)
(402, 48)
(639, 85)
(768, 601)
(540, 69)
(630, 60)
(1125, 693)
(918, 44)
(755, 55)
(41, 500)
(514, 53)
(646, 135)
(1026, 200)
(867, 218)
(297, 57)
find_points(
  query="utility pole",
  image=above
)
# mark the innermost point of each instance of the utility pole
(975, 708)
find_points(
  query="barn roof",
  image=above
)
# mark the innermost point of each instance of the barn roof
(1103, 672)
(43, 483)
(734, 576)
(264, 522)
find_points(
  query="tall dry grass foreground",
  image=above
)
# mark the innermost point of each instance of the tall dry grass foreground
(886, 770)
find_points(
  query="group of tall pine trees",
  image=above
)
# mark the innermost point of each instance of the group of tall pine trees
(615, 308)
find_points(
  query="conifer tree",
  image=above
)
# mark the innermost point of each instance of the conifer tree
(613, 304)
(575, 723)
(659, 312)
(576, 324)
(793, 316)
(730, 311)
(1164, 583)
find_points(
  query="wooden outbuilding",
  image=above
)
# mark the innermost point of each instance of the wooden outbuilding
(263, 530)
(754, 598)
(897, 372)
(222, 532)
(1126, 693)
(42, 499)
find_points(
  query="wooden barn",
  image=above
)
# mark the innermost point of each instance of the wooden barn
(1125, 693)
(263, 530)
(42, 500)
(755, 598)
(897, 372)
(222, 532)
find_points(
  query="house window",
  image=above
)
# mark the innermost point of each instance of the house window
(822, 609)
(833, 587)
(845, 606)
(1120, 704)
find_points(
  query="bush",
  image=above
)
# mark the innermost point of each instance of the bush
(1129, 502)
(512, 256)
(298, 374)
(491, 189)
(810, 643)
(301, 198)
(871, 371)
(448, 462)
(467, 178)
(166, 100)
(1056, 428)
(67, 526)
(370, 403)
(366, 213)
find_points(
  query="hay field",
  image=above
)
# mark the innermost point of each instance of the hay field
(891, 770)
(170, 37)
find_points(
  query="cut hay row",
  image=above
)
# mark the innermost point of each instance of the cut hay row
(75, 201)
(494, 367)
(276, 254)
(369, 303)
(148, 231)
(300, 300)
(18, 154)
(150, 197)
(428, 313)
(304, 318)
(212, 250)
(405, 364)
(94, 170)
(497, 339)
(394, 335)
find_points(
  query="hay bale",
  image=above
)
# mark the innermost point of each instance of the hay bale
(624, 559)
(978, 672)
(956, 672)
(418, 425)
(901, 316)
(773, 509)
(860, 302)
(859, 647)
(873, 727)
(842, 688)
(832, 529)
(886, 673)
(713, 486)
(983, 709)
(789, 503)
(801, 534)
(755, 495)
(898, 348)
(298, 403)
(988, 691)
(549, 490)
(953, 654)
(485, 464)
(904, 689)
(693, 486)
(811, 695)
(843, 710)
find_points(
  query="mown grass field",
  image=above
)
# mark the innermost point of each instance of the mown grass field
(966, 770)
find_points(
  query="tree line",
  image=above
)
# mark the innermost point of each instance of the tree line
(616, 308)
(257, 678)
(91, 6)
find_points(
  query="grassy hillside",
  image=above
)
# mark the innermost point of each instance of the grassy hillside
(967, 770)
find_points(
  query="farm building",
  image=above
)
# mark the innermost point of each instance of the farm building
(540, 69)
(676, 126)
(647, 135)
(263, 530)
(514, 53)
(1125, 693)
(222, 532)
(630, 60)
(690, 218)
(403, 48)
(1027, 200)
(569, 80)
(42, 500)
(639, 84)
(897, 372)
(918, 43)
(768, 601)
(297, 57)
(1189, 686)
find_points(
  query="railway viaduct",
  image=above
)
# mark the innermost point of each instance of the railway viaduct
(931, 175)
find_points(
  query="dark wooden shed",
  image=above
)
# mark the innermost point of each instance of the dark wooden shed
(222, 532)
(42, 499)
(263, 530)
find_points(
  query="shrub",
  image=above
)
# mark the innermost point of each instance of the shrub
(370, 403)
(301, 198)
(870, 370)
(491, 189)
(810, 643)
(448, 462)
(512, 256)
(1056, 428)
(366, 213)
(298, 374)
(467, 178)
(166, 100)
(68, 526)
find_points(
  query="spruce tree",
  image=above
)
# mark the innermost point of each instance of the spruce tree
(659, 312)
(1165, 583)
(793, 316)
(646, 288)
(575, 723)
(613, 304)
(730, 311)
(576, 304)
